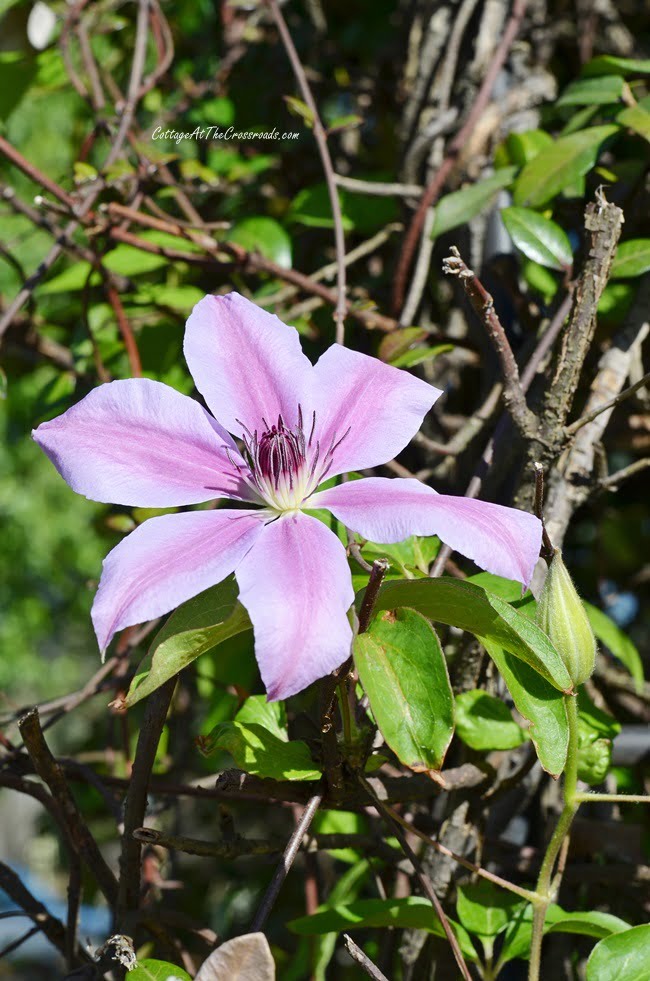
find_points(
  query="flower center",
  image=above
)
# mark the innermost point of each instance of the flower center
(285, 465)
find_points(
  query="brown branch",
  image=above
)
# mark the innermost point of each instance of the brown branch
(135, 805)
(53, 776)
(610, 404)
(483, 304)
(320, 136)
(52, 928)
(125, 329)
(433, 190)
(425, 882)
(282, 870)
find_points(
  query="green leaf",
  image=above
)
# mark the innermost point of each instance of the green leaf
(421, 354)
(400, 341)
(550, 171)
(194, 628)
(622, 957)
(632, 259)
(263, 235)
(258, 751)
(538, 702)
(637, 118)
(71, 280)
(523, 147)
(404, 673)
(311, 207)
(459, 207)
(484, 909)
(271, 716)
(518, 934)
(413, 912)
(606, 64)
(153, 970)
(464, 604)
(597, 91)
(620, 645)
(484, 723)
(539, 238)
(539, 279)
(299, 108)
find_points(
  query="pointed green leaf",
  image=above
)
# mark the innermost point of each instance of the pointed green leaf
(597, 91)
(414, 912)
(632, 259)
(194, 628)
(404, 673)
(522, 147)
(263, 235)
(150, 969)
(620, 645)
(484, 723)
(459, 207)
(464, 604)
(593, 923)
(550, 171)
(624, 956)
(637, 118)
(539, 238)
(607, 64)
(538, 702)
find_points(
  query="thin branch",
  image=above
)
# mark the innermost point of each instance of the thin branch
(78, 834)
(135, 806)
(368, 966)
(433, 190)
(320, 136)
(425, 882)
(48, 924)
(282, 870)
(483, 304)
(621, 397)
(379, 188)
(613, 480)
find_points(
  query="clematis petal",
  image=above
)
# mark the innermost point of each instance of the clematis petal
(166, 561)
(502, 540)
(382, 406)
(139, 442)
(296, 585)
(246, 363)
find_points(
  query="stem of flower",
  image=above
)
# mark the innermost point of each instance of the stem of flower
(546, 887)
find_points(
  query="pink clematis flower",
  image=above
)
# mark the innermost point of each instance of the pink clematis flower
(140, 443)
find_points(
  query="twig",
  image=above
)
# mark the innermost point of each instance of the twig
(483, 304)
(435, 187)
(361, 958)
(282, 870)
(613, 480)
(425, 882)
(321, 140)
(616, 400)
(538, 509)
(377, 575)
(135, 805)
(125, 329)
(20, 894)
(78, 834)
(379, 188)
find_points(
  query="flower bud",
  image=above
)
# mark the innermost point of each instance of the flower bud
(563, 619)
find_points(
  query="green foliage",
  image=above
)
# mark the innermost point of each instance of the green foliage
(153, 970)
(459, 207)
(557, 167)
(196, 627)
(484, 723)
(621, 957)
(539, 238)
(403, 671)
(258, 742)
(413, 912)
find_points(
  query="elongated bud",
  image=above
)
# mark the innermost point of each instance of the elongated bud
(562, 617)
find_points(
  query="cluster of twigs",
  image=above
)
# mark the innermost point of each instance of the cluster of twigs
(84, 223)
